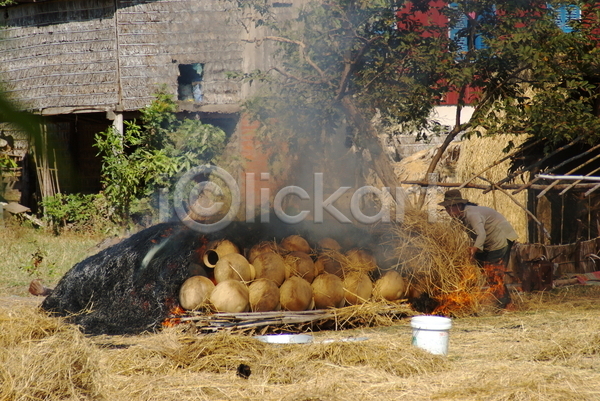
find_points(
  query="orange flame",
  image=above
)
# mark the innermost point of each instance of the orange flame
(174, 318)
(468, 296)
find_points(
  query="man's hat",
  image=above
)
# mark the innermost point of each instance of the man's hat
(453, 197)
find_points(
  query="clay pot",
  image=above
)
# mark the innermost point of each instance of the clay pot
(230, 296)
(195, 292)
(270, 266)
(233, 266)
(358, 288)
(295, 294)
(300, 264)
(330, 264)
(391, 286)
(295, 243)
(360, 260)
(329, 244)
(216, 250)
(328, 291)
(260, 248)
(264, 295)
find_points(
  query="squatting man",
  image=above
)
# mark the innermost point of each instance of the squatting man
(492, 234)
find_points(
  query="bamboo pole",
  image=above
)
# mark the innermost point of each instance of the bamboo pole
(556, 167)
(488, 188)
(578, 181)
(568, 173)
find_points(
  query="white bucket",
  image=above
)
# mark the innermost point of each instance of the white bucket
(431, 333)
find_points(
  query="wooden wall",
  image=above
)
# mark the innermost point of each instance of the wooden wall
(59, 53)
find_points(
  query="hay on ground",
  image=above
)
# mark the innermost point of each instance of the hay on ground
(42, 358)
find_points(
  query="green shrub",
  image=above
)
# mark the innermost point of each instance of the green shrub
(77, 212)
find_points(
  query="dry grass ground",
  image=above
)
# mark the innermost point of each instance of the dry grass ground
(548, 348)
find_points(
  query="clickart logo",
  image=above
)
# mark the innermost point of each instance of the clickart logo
(208, 198)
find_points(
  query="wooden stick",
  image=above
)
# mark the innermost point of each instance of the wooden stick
(569, 172)
(578, 181)
(56, 174)
(556, 167)
(488, 188)
(592, 190)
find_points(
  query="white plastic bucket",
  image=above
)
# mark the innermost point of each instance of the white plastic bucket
(431, 333)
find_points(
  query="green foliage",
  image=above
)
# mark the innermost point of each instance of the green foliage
(130, 165)
(32, 268)
(150, 154)
(194, 143)
(6, 162)
(77, 211)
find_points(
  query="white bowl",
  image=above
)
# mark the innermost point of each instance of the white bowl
(285, 338)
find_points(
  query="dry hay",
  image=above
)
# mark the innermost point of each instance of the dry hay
(276, 364)
(547, 350)
(434, 259)
(45, 358)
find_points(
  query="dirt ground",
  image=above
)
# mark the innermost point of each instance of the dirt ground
(546, 349)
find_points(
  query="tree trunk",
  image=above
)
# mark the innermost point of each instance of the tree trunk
(370, 141)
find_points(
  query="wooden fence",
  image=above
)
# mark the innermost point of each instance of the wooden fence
(579, 257)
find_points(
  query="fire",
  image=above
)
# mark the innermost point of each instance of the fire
(174, 318)
(469, 296)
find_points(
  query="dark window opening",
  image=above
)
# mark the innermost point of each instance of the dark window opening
(189, 82)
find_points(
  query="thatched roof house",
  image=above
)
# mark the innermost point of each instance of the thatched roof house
(89, 63)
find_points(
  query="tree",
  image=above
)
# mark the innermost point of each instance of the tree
(342, 60)
(339, 62)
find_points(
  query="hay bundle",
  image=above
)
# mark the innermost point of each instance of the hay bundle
(436, 263)
(285, 364)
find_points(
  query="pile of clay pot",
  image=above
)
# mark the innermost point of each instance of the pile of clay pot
(288, 275)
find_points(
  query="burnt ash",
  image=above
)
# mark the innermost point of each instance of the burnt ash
(132, 286)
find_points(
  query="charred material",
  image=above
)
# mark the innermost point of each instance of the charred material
(132, 286)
